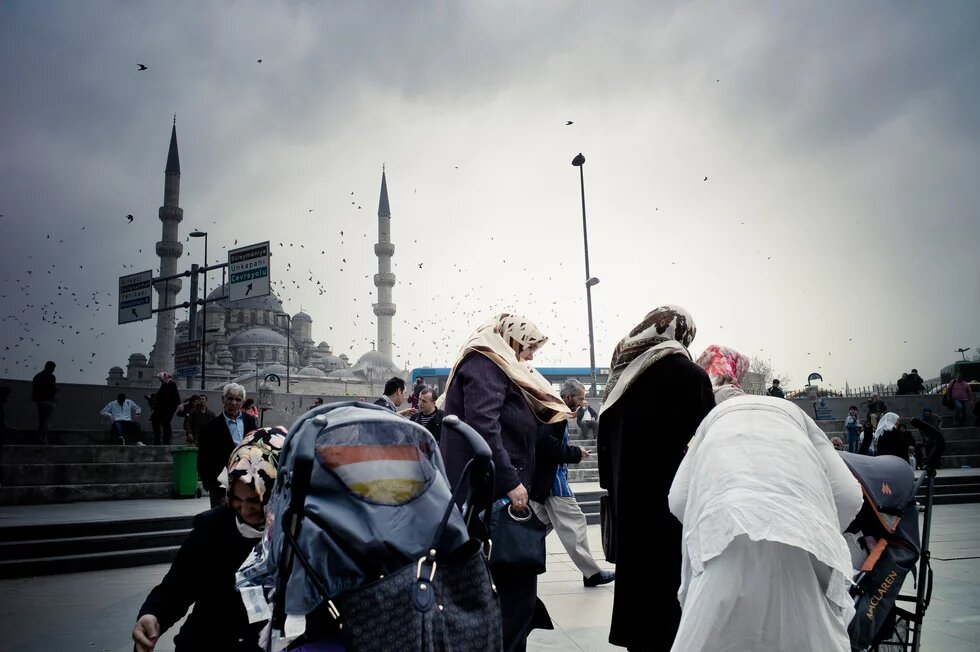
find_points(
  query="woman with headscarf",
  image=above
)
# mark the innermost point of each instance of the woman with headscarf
(166, 402)
(763, 498)
(203, 573)
(493, 389)
(654, 400)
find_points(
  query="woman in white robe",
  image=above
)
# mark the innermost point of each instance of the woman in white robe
(763, 498)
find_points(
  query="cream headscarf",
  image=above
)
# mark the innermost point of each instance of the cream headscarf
(500, 339)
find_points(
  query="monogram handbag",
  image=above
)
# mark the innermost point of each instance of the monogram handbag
(517, 539)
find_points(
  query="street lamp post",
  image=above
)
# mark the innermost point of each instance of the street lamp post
(579, 162)
(204, 308)
(289, 335)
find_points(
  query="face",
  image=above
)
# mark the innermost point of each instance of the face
(426, 404)
(575, 400)
(244, 500)
(398, 397)
(232, 404)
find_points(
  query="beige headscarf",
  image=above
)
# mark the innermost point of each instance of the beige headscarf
(500, 339)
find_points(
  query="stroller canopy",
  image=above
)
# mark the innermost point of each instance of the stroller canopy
(887, 482)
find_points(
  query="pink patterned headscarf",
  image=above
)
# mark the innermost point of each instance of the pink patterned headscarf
(724, 365)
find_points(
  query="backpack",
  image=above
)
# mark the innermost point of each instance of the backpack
(368, 544)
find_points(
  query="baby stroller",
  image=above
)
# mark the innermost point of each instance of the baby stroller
(886, 545)
(368, 550)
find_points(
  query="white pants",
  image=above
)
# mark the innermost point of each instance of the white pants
(566, 518)
(760, 596)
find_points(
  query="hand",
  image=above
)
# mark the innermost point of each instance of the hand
(585, 453)
(518, 497)
(408, 412)
(190, 438)
(180, 408)
(146, 632)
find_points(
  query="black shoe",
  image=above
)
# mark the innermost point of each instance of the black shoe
(602, 577)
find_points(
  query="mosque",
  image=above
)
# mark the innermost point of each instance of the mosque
(251, 338)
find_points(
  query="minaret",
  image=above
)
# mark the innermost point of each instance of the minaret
(169, 249)
(384, 280)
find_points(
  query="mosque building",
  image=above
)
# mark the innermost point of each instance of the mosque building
(250, 338)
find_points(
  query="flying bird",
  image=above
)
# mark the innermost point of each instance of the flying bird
(259, 61)
(568, 122)
(130, 219)
(706, 178)
(142, 67)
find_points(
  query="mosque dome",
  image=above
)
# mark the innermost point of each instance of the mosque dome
(258, 337)
(323, 346)
(374, 361)
(268, 302)
(246, 368)
(343, 374)
(302, 316)
(277, 368)
(311, 371)
(137, 358)
(331, 362)
(115, 370)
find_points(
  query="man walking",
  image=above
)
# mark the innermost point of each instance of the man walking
(394, 396)
(122, 414)
(218, 439)
(552, 499)
(429, 416)
(43, 389)
(876, 407)
(962, 397)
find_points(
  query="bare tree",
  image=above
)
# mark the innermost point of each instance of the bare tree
(764, 367)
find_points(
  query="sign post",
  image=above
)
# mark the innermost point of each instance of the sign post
(187, 358)
(248, 272)
(135, 297)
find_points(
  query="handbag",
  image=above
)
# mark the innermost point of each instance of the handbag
(516, 540)
(608, 527)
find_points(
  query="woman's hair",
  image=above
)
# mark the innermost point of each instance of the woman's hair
(249, 402)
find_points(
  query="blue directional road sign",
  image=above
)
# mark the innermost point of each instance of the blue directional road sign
(136, 297)
(248, 272)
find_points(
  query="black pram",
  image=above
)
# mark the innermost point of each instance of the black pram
(886, 530)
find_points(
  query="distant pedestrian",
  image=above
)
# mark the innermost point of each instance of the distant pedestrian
(196, 419)
(551, 496)
(43, 389)
(249, 407)
(317, 402)
(923, 449)
(902, 387)
(867, 436)
(916, 384)
(775, 390)
(837, 443)
(587, 419)
(165, 404)
(413, 398)
(876, 408)
(122, 414)
(852, 426)
(962, 397)
(429, 416)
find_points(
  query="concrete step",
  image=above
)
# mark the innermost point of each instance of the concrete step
(89, 562)
(27, 533)
(961, 461)
(583, 443)
(23, 475)
(73, 493)
(67, 547)
(949, 434)
(583, 475)
(85, 454)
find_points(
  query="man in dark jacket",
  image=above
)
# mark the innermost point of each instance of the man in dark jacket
(429, 416)
(876, 408)
(218, 438)
(775, 390)
(916, 384)
(551, 496)
(43, 389)
(587, 419)
(394, 396)
(165, 405)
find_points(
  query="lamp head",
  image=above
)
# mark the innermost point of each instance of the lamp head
(579, 160)
(197, 234)
(591, 282)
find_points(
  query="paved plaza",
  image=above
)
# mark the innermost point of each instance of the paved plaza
(95, 611)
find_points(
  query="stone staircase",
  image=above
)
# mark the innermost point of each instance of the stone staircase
(51, 549)
(588, 470)
(962, 444)
(80, 466)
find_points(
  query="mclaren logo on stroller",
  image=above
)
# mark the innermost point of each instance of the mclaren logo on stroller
(882, 591)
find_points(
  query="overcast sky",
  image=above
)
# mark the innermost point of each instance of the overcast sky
(805, 180)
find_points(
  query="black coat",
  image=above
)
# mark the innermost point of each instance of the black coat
(203, 574)
(385, 404)
(434, 426)
(215, 446)
(166, 401)
(550, 451)
(641, 442)
(43, 386)
(484, 397)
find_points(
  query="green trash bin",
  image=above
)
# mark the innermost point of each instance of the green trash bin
(185, 472)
